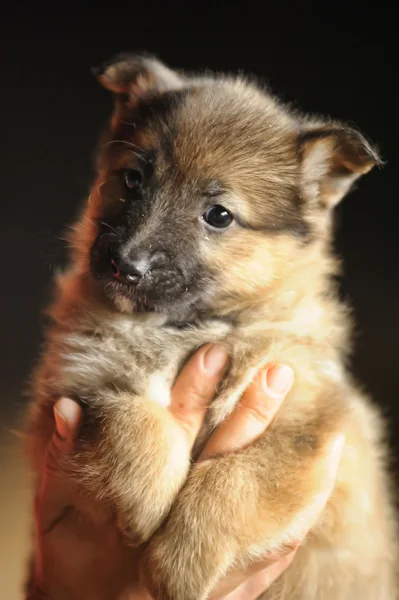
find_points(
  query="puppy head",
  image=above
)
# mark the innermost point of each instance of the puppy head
(208, 190)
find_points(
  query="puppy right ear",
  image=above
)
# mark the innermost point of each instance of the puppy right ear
(133, 77)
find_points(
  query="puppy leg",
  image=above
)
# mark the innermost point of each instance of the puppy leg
(138, 461)
(234, 509)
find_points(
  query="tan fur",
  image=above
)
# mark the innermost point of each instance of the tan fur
(273, 302)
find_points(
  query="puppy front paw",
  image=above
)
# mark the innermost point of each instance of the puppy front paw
(138, 464)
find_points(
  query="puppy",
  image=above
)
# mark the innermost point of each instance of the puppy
(210, 221)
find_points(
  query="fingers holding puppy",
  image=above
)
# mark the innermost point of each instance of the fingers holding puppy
(254, 413)
(196, 387)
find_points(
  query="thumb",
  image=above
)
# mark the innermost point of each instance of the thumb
(67, 416)
(51, 498)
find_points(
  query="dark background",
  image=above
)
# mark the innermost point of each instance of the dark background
(332, 60)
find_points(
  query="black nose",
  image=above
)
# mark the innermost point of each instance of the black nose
(130, 271)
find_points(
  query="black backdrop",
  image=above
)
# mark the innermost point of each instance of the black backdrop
(333, 60)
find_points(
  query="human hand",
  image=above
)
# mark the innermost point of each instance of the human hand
(79, 550)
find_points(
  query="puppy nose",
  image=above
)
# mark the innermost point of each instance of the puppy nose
(130, 271)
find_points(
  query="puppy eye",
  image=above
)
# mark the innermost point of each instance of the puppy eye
(218, 216)
(132, 178)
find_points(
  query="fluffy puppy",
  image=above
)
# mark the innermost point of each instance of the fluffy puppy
(210, 220)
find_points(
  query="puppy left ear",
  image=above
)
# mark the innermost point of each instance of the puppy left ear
(133, 77)
(332, 159)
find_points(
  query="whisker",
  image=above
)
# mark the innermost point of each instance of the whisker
(138, 155)
(108, 225)
(131, 145)
(76, 228)
(97, 189)
(90, 221)
(127, 123)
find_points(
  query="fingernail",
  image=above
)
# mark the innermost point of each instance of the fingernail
(70, 412)
(61, 424)
(215, 359)
(278, 379)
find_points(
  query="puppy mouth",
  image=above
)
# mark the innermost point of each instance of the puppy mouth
(164, 287)
(148, 295)
(155, 291)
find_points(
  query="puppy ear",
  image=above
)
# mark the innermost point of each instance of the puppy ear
(132, 77)
(333, 157)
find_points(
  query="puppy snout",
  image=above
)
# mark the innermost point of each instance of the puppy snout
(130, 271)
(133, 268)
